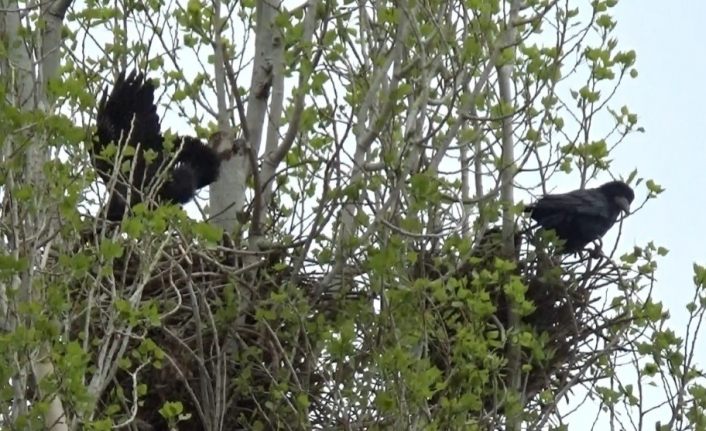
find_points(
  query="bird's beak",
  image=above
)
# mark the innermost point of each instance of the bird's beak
(623, 204)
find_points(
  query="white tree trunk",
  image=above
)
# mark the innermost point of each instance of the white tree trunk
(29, 93)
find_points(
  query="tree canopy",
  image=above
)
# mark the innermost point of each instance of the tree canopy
(362, 261)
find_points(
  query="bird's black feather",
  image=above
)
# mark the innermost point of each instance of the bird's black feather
(581, 216)
(128, 117)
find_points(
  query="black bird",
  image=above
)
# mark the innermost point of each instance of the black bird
(128, 117)
(582, 216)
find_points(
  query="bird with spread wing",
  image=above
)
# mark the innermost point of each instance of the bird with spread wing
(128, 118)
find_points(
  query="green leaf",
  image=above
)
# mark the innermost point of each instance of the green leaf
(210, 232)
(110, 249)
(654, 188)
(171, 410)
(193, 6)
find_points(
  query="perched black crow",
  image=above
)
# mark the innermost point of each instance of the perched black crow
(128, 117)
(582, 216)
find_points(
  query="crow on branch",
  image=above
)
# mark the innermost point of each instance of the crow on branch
(582, 216)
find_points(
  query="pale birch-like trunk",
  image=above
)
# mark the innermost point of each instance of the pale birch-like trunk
(507, 187)
(29, 66)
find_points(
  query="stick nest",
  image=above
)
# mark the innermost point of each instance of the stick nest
(222, 332)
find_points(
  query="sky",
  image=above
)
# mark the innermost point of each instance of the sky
(669, 102)
(670, 105)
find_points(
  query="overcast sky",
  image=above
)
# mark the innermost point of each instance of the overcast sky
(669, 100)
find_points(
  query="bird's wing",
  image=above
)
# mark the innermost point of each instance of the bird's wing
(578, 217)
(128, 116)
(585, 203)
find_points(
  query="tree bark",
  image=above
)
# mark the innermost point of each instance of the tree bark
(29, 93)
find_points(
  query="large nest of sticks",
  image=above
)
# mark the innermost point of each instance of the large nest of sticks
(187, 333)
(222, 331)
(470, 295)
